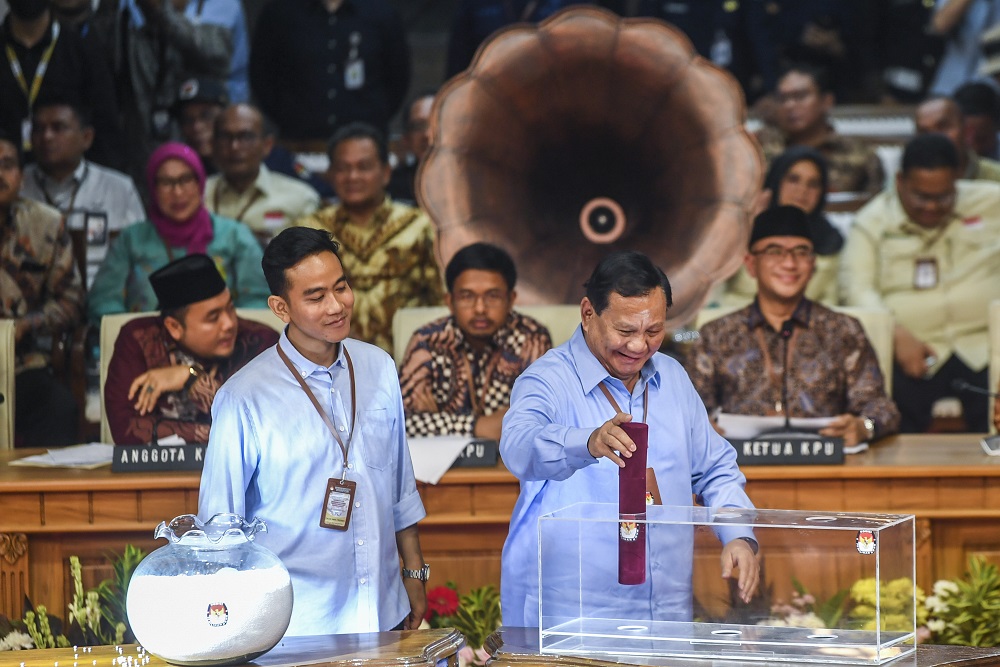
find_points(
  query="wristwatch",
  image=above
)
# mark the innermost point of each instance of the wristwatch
(423, 574)
(869, 425)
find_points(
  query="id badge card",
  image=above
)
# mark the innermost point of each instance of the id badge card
(26, 134)
(337, 504)
(925, 273)
(354, 74)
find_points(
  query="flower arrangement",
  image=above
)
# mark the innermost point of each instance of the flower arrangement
(967, 611)
(476, 615)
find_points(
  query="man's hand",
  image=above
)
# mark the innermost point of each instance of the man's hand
(146, 388)
(737, 554)
(416, 591)
(488, 426)
(911, 353)
(611, 441)
(850, 428)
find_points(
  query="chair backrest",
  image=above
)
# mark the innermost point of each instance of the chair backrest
(994, 326)
(561, 321)
(112, 324)
(877, 323)
(8, 364)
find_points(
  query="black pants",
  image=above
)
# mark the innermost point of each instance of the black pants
(915, 396)
(45, 412)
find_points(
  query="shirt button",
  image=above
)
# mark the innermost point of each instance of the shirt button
(332, 93)
(304, 373)
(350, 466)
(332, 118)
(357, 504)
(342, 428)
(361, 543)
(363, 580)
(331, 69)
(331, 43)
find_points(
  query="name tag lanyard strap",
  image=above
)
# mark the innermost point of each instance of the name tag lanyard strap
(344, 447)
(614, 403)
(36, 82)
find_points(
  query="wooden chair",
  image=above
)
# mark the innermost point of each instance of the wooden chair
(561, 321)
(994, 324)
(878, 324)
(112, 324)
(8, 362)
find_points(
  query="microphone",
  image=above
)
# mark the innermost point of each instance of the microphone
(958, 384)
(786, 334)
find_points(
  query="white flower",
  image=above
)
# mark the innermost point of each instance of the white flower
(935, 604)
(935, 625)
(945, 587)
(16, 641)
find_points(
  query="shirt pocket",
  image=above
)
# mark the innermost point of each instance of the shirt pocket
(376, 428)
(898, 263)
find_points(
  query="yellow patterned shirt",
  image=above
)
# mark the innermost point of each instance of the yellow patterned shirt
(390, 263)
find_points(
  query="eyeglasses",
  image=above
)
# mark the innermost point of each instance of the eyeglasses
(243, 138)
(794, 96)
(166, 183)
(922, 199)
(775, 253)
(491, 299)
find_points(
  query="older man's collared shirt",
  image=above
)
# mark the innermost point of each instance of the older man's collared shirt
(390, 263)
(266, 207)
(440, 367)
(853, 166)
(270, 456)
(885, 249)
(832, 368)
(555, 406)
(981, 168)
(95, 200)
(39, 280)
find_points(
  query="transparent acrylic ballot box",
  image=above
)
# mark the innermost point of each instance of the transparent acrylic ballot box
(685, 609)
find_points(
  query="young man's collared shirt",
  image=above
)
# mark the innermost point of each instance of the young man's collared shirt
(90, 192)
(879, 262)
(143, 344)
(270, 456)
(439, 360)
(833, 369)
(555, 406)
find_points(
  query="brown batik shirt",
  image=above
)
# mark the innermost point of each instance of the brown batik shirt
(439, 362)
(833, 369)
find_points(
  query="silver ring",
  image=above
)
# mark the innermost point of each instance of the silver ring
(149, 389)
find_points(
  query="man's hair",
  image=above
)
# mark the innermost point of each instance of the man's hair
(267, 126)
(178, 313)
(359, 130)
(949, 101)
(426, 92)
(929, 151)
(978, 99)
(820, 75)
(626, 273)
(482, 256)
(6, 138)
(80, 111)
(289, 248)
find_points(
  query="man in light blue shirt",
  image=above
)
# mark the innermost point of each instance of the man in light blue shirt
(562, 438)
(272, 455)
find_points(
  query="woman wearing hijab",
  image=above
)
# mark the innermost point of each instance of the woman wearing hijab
(178, 225)
(798, 177)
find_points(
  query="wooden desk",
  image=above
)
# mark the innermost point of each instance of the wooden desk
(46, 515)
(518, 647)
(408, 648)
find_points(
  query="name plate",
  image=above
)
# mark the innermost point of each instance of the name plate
(798, 449)
(146, 458)
(480, 453)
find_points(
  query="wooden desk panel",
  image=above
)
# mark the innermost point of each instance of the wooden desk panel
(945, 480)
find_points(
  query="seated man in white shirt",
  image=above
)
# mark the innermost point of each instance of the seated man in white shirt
(96, 200)
(245, 189)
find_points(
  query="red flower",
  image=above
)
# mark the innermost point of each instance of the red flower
(441, 601)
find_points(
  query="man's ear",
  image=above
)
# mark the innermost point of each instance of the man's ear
(279, 307)
(447, 302)
(587, 312)
(174, 327)
(751, 265)
(88, 138)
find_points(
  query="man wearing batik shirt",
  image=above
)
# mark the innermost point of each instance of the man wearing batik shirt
(738, 362)
(458, 371)
(165, 369)
(41, 290)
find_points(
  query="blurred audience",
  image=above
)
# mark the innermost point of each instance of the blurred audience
(458, 370)
(347, 59)
(980, 104)
(43, 59)
(178, 224)
(798, 178)
(245, 190)
(962, 23)
(387, 248)
(227, 14)
(42, 292)
(942, 115)
(805, 100)
(97, 202)
(928, 250)
(166, 368)
(415, 143)
(199, 102)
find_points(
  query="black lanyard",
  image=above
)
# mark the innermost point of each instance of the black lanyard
(344, 447)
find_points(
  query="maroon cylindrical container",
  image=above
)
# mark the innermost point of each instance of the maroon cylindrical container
(632, 508)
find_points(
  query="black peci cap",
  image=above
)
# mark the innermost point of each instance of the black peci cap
(185, 281)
